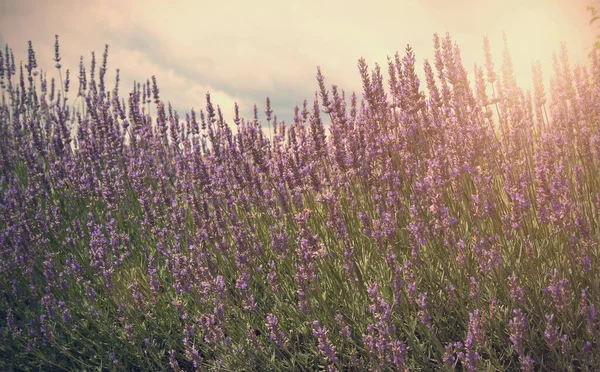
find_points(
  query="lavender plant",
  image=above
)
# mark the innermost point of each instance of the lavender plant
(453, 226)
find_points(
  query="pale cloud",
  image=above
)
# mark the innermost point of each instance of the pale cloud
(245, 51)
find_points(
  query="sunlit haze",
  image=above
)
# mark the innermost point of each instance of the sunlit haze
(245, 51)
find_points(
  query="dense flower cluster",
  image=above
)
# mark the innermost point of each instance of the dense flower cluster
(447, 225)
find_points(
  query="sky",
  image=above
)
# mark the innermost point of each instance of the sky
(244, 51)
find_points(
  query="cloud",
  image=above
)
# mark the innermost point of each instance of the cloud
(204, 71)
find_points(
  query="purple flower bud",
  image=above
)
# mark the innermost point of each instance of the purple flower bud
(324, 345)
(551, 332)
(276, 334)
(56, 53)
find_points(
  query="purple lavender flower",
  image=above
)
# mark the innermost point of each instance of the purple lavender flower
(252, 336)
(113, 358)
(399, 355)
(518, 326)
(558, 290)
(324, 345)
(173, 361)
(564, 345)
(551, 332)
(448, 357)
(474, 341)
(56, 53)
(474, 293)
(212, 332)
(423, 313)
(276, 334)
(344, 329)
(516, 292)
(451, 290)
(45, 328)
(588, 310)
(10, 323)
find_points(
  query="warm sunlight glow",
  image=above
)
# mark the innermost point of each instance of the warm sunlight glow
(535, 36)
(271, 48)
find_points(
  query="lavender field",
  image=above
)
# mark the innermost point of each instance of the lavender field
(449, 224)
